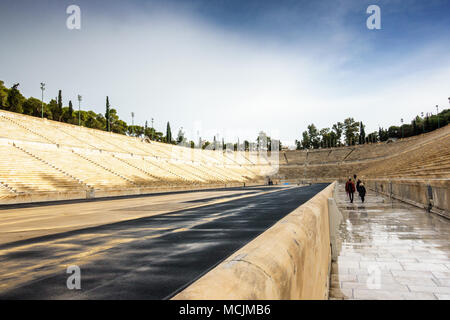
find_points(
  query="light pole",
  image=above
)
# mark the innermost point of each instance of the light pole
(132, 121)
(42, 101)
(402, 127)
(423, 123)
(152, 128)
(80, 98)
(181, 131)
(437, 113)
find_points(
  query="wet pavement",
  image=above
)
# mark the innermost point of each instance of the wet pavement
(26, 221)
(390, 250)
(147, 258)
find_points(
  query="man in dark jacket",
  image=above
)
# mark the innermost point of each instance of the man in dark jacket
(357, 184)
(362, 191)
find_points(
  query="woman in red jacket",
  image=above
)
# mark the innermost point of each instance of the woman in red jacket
(350, 189)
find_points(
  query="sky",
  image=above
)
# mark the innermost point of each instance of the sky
(232, 68)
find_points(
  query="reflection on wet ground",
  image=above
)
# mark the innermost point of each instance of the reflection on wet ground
(146, 258)
(390, 250)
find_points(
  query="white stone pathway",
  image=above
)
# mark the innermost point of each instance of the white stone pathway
(390, 250)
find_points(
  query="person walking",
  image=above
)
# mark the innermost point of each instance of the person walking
(362, 191)
(350, 189)
(347, 187)
(358, 184)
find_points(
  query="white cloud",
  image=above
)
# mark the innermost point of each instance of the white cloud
(178, 68)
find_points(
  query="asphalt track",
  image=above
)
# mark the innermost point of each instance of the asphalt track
(147, 258)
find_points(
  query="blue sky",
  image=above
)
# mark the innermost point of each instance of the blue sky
(234, 67)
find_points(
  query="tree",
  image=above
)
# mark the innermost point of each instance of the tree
(180, 138)
(394, 132)
(107, 115)
(362, 133)
(328, 138)
(152, 134)
(351, 128)
(266, 143)
(383, 135)
(262, 141)
(70, 108)
(280, 146)
(15, 99)
(32, 107)
(306, 141)
(298, 144)
(415, 127)
(116, 125)
(67, 113)
(135, 131)
(246, 145)
(427, 123)
(444, 117)
(373, 137)
(53, 107)
(168, 133)
(3, 96)
(206, 145)
(338, 129)
(59, 113)
(325, 137)
(93, 120)
(313, 134)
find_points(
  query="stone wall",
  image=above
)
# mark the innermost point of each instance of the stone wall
(291, 260)
(98, 194)
(433, 194)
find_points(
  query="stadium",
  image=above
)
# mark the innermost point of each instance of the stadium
(92, 208)
(67, 163)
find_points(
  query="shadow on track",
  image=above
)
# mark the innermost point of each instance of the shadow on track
(146, 258)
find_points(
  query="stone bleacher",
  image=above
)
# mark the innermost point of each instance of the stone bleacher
(22, 173)
(426, 156)
(63, 161)
(429, 160)
(40, 156)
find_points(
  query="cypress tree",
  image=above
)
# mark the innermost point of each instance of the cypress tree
(70, 108)
(70, 115)
(108, 128)
(427, 123)
(59, 115)
(168, 134)
(362, 134)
